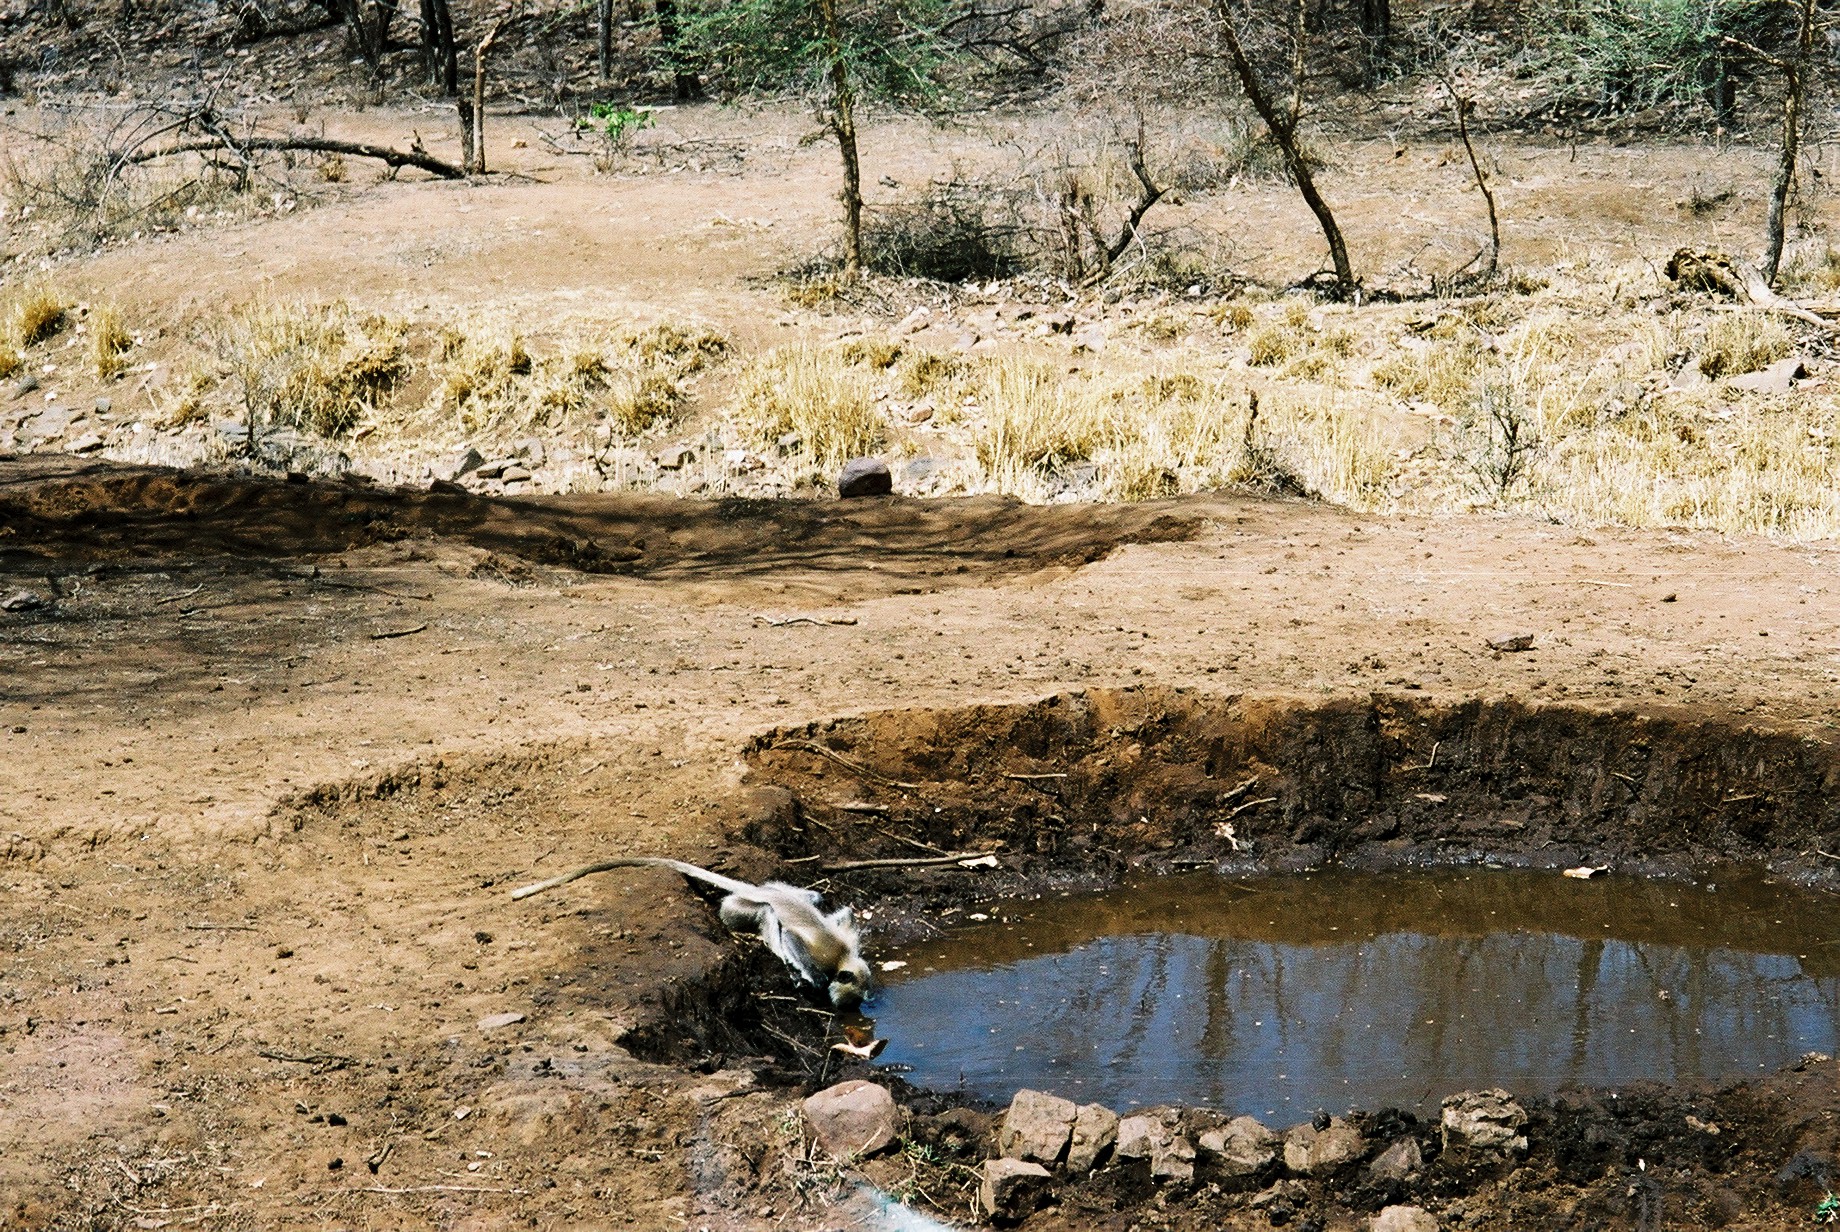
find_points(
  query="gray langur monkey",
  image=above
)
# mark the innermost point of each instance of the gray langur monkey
(823, 950)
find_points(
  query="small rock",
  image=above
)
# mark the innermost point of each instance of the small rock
(918, 319)
(463, 463)
(514, 473)
(1095, 1130)
(1689, 376)
(493, 1022)
(1404, 1219)
(88, 443)
(25, 385)
(1038, 1127)
(852, 1119)
(1242, 1147)
(104, 405)
(1511, 643)
(493, 469)
(864, 477)
(1484, 1120)
(1778, 378)
(1281, 1201)
(675, 457)
(1398, 1162)
(529, 449)
(1309, 1151)
(1171, 1155)
(1012, 1188)
(23, 601)
(789, 442)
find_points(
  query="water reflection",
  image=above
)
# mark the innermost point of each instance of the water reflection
(1282, 995)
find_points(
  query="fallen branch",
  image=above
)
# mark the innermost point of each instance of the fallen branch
(1251, 804)
(1739, 279)
(207, 926)
(186, 594)
(415, 1189)
(1033, 778)
(318, 145)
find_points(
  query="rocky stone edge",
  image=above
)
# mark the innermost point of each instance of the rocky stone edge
(1045, 1144)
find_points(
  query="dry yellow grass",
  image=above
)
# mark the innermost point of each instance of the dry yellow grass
(1741, 342)
(11, 360)
(36, 315)
(313, 367)
(109, 342)
(818, 393)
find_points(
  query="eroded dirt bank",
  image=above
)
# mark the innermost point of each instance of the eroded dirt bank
(255, 913)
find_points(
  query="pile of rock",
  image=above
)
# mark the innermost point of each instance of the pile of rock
(1044, 1141)
(1043, 1136)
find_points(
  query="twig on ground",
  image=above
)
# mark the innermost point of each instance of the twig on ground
(812, 746)
(320, 145)
(804, 620)
(1250, 804)
(389, 633)
(203, 926)
(946, 861)
(186, 594)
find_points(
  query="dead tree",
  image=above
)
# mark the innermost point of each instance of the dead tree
(473, 112)
(1796, 68)
(1461, 106)
(1282, 124)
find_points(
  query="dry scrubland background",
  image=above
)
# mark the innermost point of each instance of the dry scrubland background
(656, 311)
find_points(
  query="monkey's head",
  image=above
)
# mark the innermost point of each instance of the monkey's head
(850, 983)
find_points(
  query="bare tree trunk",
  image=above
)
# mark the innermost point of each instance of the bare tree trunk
(439, 51)
(476, 157)
(670, 35)
(1795, 73)
(1284, 132)
(464, 105)
(843, 124)
(604, 40)
(1377, 28)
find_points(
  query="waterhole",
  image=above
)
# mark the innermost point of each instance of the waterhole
(1281, 995)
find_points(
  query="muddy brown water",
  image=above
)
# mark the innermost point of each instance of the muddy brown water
(1279, 996)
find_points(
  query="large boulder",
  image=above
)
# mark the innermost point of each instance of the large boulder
(1095, 1131)
(1012, 1188)
(1038, 1127)
(1485, 1121)
(1309, 1151)
(1240, 1148)
(852, 1119)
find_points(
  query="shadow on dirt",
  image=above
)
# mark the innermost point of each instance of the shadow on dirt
(59, 511)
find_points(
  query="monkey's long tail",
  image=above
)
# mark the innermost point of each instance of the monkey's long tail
(577, 874)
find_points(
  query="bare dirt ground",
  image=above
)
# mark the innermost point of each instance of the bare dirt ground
(258, 848)
(273, 752)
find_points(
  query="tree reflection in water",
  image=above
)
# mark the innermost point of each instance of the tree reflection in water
(1279, 996)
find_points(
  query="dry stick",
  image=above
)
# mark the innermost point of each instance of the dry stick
(182, 595)
(208, 926)
(378, 637)
(1031, 778)
(850, 866)
(1250, 804)
(1461, 106)
(812, 746)
(477, 159)
(1241, 790)
(415, 1189)
(320, 145)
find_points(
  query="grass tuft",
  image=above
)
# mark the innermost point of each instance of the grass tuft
(816, 392)
(1742, 342)
(109, 343)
